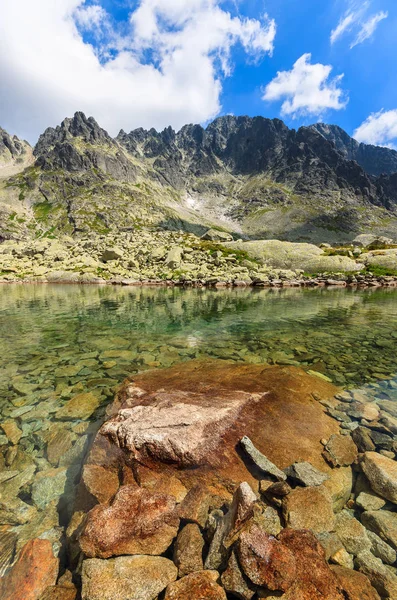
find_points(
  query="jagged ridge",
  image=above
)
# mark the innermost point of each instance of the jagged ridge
(252, 176)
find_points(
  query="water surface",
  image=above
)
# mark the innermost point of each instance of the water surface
(57, 342)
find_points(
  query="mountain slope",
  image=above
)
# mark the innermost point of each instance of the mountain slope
(375, 160)
(254, 177)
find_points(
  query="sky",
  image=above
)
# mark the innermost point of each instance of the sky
(154, 63)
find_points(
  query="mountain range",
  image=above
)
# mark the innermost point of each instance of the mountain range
(252, 177)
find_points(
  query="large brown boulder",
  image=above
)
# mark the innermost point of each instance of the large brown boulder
(137, 522)
(35, 570)
(264, 403)
(175, 426)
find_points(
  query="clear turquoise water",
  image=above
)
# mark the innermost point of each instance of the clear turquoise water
(59, 341)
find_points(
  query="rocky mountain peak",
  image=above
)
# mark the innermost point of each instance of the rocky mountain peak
(11, 146)
(15, 154)
(79, 126)
(375, 160)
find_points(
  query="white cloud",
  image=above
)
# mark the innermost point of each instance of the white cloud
(90, 16)
(356, 18)
(344, 24)
(307, 89)
(166, 67)
(368, 28)
(379, 128)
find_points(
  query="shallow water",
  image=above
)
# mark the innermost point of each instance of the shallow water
(60, 341)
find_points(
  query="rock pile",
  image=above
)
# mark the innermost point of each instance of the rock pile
(199, 493)
(161, 257)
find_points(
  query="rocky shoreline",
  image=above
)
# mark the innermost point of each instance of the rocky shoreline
(166, 258)
(287, 490)
(307, 282)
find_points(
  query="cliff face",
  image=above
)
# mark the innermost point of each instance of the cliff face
(375, 160)
(251, 176)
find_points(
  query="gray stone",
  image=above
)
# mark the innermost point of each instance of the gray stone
(351, 533)
(215, 235)
(48, 486)
(261, 461)
(382, 522)
(111, 254)
(174, 257)
(305, 474)
(379, 575)
(234, 581)
(369, 501)
(379, 548)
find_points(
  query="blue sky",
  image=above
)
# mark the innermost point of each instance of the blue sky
(132, 63)
(304, 26)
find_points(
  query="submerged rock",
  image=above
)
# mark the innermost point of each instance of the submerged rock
(196, 585)
(81, 406)
(177, 427)
(126, 578)
(340, 451)
(261, 461)
(188, 550)
(355, 585)
(265, 560)
(8, 540)
(35, 570)
(382, 474)
(273, 421)
(305, 474)
(137, 522)
(309, 508)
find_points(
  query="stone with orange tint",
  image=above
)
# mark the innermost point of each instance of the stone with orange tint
(137, 522)
(100, 482)
(197, 586)
(340, 451)
(264, 403)
(266, 561)
(314, 579)
(35, 570)
(356, 586)
(309, 508)
(58, 592)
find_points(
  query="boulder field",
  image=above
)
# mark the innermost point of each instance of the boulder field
(163, 257)
(211, 480)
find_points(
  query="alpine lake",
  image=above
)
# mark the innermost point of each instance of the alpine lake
(60, 342)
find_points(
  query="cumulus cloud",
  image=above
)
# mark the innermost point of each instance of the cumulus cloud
(307, 89)
(356, 19)
(379, 128)
(165, 66)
